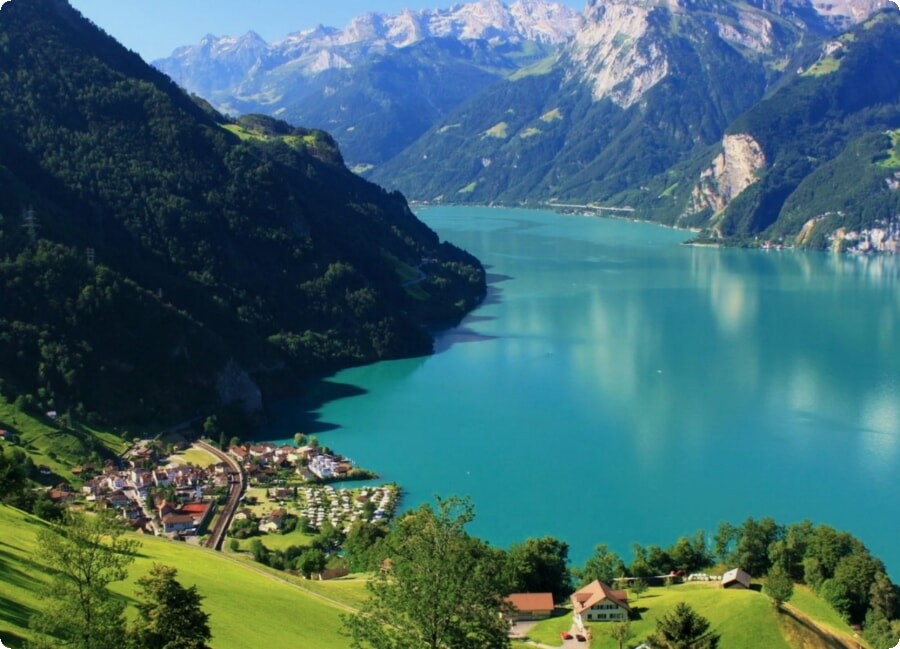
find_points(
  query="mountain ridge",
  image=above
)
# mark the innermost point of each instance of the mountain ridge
(169, 247)
(383, 77)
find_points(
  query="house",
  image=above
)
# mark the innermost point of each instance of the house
(736, 578)
(239, 453)
(177, 523)
(597, 602)
(199, 512)
(7, 436)
(282, 493)
(530, 606)
(118, 499)
(273, 521)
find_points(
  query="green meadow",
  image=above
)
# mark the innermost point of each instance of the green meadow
(247, 607)
(745, 619)
(53, 446)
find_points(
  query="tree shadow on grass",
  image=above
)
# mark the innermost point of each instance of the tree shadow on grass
(15, 613)
(12, 639)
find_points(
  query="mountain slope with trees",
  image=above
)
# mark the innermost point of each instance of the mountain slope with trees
(382, 81)
(827, 142)
(656, 108)
(153, 252)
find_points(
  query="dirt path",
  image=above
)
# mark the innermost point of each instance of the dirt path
(809, 634)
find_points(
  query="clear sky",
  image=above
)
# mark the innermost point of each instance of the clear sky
(154, 28)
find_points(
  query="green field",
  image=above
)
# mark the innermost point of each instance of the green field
(194, 456)
(50, 445)
(248, 607)
(745, 619)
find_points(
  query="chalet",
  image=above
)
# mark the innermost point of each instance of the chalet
(530, 606)
(597, 602)
(736, 578)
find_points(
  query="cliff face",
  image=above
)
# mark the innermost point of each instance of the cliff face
(731, 172)
(614, 54)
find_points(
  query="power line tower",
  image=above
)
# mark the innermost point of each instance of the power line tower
(90, 256)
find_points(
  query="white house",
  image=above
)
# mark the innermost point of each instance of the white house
(597, 602)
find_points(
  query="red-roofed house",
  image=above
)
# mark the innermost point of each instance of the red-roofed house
(530, 606)
(597, 602)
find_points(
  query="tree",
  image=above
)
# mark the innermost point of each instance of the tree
(169, 615)
(638, 587)
(683, 628)
(312, 561)
(86, 554)
(13, 477)
(540, 566)
(605, 565)
(779, 586)
(620, 632)
(723, 541)
(440, 588)
(299, 439)
(883, 596)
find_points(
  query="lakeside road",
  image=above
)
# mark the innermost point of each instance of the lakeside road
(237, 484)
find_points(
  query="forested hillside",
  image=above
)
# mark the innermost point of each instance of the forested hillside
(147, 243)
(828, 141)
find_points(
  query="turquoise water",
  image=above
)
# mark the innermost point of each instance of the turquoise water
(618, 387)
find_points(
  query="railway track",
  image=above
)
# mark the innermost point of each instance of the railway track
(237, 484)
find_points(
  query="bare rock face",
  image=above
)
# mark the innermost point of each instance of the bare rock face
(731, 172)
(234, 386)
(611, 54)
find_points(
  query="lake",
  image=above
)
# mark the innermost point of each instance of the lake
(619, 387)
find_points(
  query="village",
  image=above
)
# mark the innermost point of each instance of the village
(192, 492)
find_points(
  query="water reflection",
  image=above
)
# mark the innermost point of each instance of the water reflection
(712, 381)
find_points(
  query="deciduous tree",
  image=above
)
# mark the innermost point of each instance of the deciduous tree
(169, 615)
(779, 586)
(620, 632)
(604, 565)
(440, 588)
(540, 566)
(87, 554)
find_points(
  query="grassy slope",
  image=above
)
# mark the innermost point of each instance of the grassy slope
(50, 446)
(745, 619)
(248, 607)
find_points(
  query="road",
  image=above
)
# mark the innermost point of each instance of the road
(237, 484)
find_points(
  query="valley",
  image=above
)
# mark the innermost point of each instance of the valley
(225, 274)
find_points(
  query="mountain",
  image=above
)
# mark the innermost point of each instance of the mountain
(817, 163)
(643, 87)
(157, 258)
(382, 81)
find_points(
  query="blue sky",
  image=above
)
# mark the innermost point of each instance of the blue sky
(153, 28)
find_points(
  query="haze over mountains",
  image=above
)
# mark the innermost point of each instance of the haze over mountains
(381, 81)
(628, 104)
